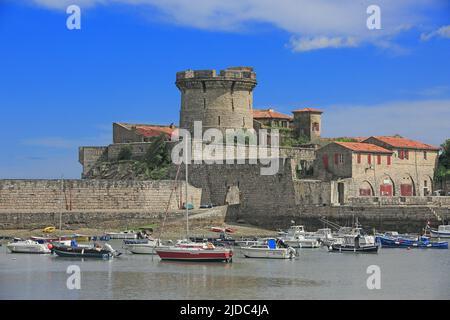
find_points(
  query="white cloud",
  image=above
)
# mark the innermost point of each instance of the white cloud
(442, 32)
(326, 23)
(423, 120)
(308, 44)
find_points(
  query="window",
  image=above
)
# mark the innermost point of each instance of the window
(341, 158)
(336, 158)
(378, 159)
(369, 159)
(406, 154)
(204, 103)
(389, 160)
(424, 155)
(315, 126)
(358, 157)
(325, 161)
(218, 120)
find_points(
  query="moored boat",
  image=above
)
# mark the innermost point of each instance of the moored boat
(104, 252)
(421, 242)
(142, 246)
(129, 234)
(443, 231)
(191, 251)
(296, 237)
(27, 246)
(357, 241)
(270, 249)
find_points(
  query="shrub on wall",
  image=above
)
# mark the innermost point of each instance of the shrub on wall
(125, 153)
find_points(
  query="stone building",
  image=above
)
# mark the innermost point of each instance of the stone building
(378, 166)
(307, 122)
(127, 132)
(271, 119)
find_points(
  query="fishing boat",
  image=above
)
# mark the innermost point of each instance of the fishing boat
(443, 231)
(296, 237)
(270, 249)
(27, 246)
(128, 234)
(420, 242)
(356, 241)
(141, 246)
(186, 250)
(104, 252)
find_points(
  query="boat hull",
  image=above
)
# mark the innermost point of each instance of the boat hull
(302, 243)
(70, 252)
(362, 249)
(439, 234)
(141, 248)
(408, 243)
(266, 253)
(194, 255)
(41, 249)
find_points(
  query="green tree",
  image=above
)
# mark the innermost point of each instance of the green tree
(443, 169)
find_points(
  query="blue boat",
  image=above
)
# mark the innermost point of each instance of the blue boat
(399, 242)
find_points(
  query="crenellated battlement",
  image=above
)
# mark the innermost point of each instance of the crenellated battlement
(232, 73)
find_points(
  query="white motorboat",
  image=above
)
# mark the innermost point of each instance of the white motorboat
(144, 246)
(296, 237)
(27, 246)
(270, 249)
(129, 234)
(443, 231)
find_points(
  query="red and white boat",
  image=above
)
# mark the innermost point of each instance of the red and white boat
(191, 251)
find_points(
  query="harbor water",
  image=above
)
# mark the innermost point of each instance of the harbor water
(315, 274)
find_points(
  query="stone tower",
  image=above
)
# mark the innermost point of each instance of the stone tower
(307, 122)
(223, 101)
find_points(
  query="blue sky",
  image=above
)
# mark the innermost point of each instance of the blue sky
(61, 88)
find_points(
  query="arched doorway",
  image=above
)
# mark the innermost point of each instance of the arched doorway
(387, 188)
(427, 187)
(407, 187)
(366, 189)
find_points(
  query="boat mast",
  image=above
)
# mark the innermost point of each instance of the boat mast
(62, 204)
(186, 188)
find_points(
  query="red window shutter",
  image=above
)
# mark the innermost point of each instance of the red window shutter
(358, 157)
(400, 154)
(325, 161)
(369, 158)
(379, 159)
(336, 158)
(388, 160)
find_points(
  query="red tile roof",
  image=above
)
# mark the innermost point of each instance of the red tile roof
(269, 114)
(153, 131)
(308, 110)
(398, 142)
(363, 147)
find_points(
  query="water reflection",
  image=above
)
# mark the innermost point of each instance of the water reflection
(316, 274)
